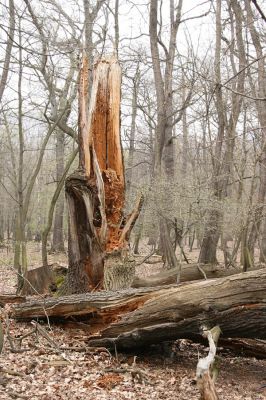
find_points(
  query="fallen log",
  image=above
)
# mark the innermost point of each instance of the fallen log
(138, 317)
(11, 298)
(245, 347)
(191, 272)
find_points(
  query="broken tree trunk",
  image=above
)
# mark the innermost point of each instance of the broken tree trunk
(96, 191)
(138, 317)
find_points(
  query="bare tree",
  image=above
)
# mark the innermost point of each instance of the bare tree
(10, 39)
(222, 155)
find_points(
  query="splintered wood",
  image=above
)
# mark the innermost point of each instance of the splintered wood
(96, 191)
(104, 129)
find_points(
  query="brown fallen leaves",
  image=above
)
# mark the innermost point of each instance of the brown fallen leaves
(109, 381)
(42, 373)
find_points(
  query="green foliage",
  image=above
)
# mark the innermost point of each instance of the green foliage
(59, 281)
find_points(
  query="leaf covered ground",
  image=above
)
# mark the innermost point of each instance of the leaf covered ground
(71, 370)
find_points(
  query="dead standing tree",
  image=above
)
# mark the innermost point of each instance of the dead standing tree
(95, 192)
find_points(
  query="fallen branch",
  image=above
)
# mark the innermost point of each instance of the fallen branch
(9, 337)
(188, 273)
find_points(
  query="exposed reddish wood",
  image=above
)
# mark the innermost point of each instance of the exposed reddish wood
(236, 303)
(105, 117)
(114, 200)
(104, 125)
(98, 305)
(96, 191)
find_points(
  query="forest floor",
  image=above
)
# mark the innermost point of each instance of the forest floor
(42, 371)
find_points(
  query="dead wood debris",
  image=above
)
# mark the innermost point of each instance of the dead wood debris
(206, 372)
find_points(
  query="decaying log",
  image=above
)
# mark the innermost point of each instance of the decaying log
(137, 317)
(190, 272)
(245, 347)
(95, 192)
(11, 298)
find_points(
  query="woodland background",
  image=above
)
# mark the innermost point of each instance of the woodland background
(193, 131)
(193, 120)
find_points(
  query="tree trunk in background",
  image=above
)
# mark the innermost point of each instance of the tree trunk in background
(263, 242)
(96, 191)
(20, 251)
(185, 145)
(58, 229)
(223, 159)
(259, 92)
(210, 240)
(129, 172)
(56, 194)
(164, 165)
(2, 226)
(10, 39)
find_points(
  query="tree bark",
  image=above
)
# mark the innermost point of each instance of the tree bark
(131, 150)
(139, 317)
(58, 229)
(223, 160)
(96, 191)
(10, 38)
(261, 111)
(46, 230)
(11, 298)
(263, 242)
(211, 238)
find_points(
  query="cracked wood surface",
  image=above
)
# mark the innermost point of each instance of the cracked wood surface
(138, 317)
